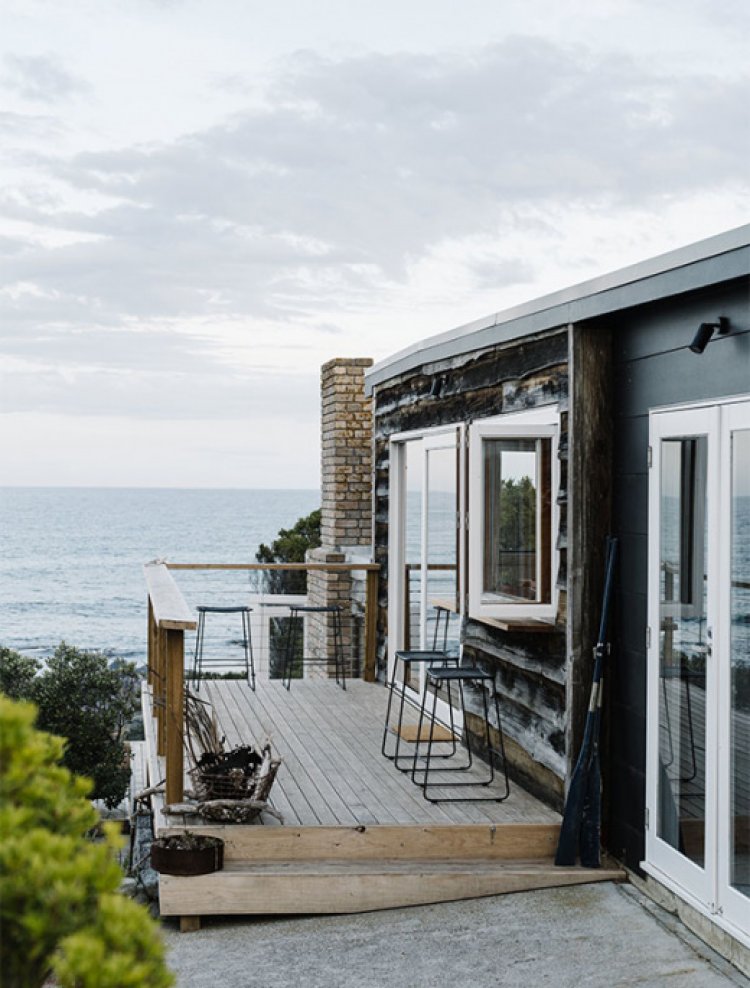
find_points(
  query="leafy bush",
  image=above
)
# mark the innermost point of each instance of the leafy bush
(17, 673)
(58, 907)
(89, 702)
(290, 546)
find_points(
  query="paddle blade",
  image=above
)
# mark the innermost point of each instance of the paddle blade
(591, 817)
(567, 845)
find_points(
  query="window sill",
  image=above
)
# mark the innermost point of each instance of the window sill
(533, 625)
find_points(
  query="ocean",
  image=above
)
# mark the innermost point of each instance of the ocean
(71, 559)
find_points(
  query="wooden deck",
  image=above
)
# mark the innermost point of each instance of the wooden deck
(356, 834)
(333, 773)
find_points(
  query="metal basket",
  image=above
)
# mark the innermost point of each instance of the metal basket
(226, 785)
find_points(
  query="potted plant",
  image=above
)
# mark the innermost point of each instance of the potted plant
(187, 854)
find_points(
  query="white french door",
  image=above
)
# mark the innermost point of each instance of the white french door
(698, 757)
(425, 549)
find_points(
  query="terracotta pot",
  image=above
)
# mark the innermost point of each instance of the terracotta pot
(205, 856)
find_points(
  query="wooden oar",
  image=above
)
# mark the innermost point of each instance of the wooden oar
(581, 823)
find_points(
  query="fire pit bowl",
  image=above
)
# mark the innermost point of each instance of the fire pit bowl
(187, 854)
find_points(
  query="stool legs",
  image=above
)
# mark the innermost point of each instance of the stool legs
(292, 637)
(408, 659)
(290, 642)
(425, 784)
(247, 644)
(247, 641)
(198, 655)
(338, 648)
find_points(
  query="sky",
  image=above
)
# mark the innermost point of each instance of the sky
(202, 203)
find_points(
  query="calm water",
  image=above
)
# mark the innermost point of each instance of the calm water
(71, 558)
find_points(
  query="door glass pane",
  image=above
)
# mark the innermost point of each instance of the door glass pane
(517, 519)
(413, 546)
(683, 646)
(739, 773)
(441, 631)
(442, 622)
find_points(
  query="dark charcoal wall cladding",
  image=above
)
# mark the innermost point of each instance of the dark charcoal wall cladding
(653, 367)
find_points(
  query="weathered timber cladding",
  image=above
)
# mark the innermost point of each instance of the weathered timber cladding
(530, 668)
(589, 490)
(653, 368)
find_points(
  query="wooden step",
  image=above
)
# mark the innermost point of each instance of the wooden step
(325, 886)
(450, 842)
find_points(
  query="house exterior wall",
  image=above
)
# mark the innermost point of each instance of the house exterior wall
(652, 367)
(530, 668)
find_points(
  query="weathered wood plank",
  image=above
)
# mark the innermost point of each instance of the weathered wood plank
(359, 886)
(324, 750)
(242, 727)
(169, 606)
(175, 714)
(589, 514)
(433, 842)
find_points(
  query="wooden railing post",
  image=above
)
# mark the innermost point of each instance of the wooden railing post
(160, 690)
(371, 626)
(151, 639)
(175, 713)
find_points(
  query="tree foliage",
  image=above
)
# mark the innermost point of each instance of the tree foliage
(58, 904)
(517, 514)
(290, 546)
(17, 673)
(86, 700)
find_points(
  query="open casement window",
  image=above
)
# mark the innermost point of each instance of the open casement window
(513, 480)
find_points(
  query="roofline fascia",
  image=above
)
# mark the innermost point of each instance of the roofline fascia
(699, 265)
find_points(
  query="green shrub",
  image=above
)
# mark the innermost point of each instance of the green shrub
(290, 546)
(58, 909)
(17, 674)
(88, 701)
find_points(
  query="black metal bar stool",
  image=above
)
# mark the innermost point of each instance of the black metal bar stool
(292, 637)
(437, 677)
(247, 644)
(408, 658)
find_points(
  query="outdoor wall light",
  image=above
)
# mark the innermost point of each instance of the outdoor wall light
(706, 331)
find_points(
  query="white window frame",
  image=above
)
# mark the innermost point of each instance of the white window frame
(540, 423)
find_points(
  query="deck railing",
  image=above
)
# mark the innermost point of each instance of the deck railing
(169, 617)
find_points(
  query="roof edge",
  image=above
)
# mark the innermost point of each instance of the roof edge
(584, 300)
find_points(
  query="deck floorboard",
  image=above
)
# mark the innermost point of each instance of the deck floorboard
(333, 773)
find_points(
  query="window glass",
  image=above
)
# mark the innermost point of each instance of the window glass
(683, 646)
(517, 502)
(739, 813)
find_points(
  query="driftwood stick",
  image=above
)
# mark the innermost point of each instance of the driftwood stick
(236, 810)
(151, 791)
(181, 809)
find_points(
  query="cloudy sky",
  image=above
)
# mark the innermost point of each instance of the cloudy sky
(201, 203)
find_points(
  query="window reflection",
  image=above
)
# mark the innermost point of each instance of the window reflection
(517, 523)
(739, 871)
(683, 646)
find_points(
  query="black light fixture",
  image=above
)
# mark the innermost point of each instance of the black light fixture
(706, 331)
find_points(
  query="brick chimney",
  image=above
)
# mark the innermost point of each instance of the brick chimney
(346, 494)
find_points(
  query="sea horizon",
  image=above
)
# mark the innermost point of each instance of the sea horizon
(71, 559)
(143, 487)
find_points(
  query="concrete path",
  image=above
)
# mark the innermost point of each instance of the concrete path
(589, 936)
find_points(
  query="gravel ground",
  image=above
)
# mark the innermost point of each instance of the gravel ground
(588, 936)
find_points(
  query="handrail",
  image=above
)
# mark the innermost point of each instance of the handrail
(326, 567)
(169, 616)
(170, 607)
